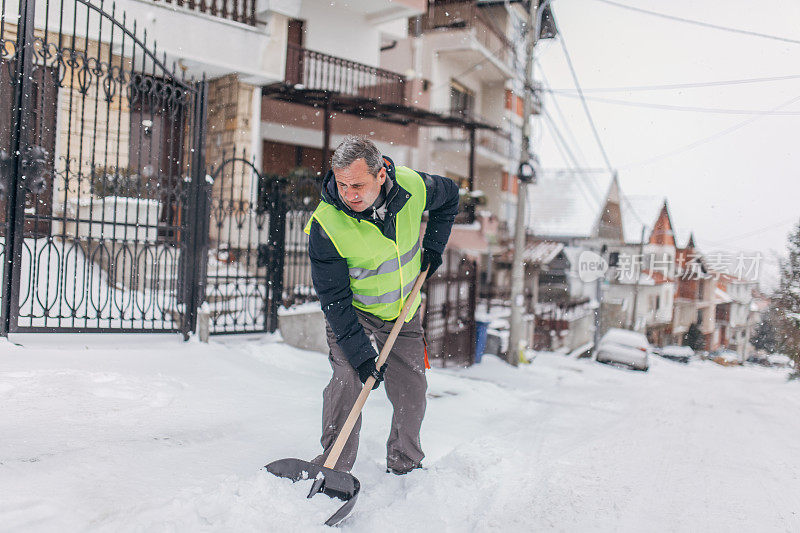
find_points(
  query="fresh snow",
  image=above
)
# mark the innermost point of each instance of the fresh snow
(299, 309)
(148, 433)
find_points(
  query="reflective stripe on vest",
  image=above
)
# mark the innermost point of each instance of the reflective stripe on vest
(387, 298)
(387, 266)
(382, 271)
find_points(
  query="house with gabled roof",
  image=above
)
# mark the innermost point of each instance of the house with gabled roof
(575, 208)
(735, 320)
(643, 281)
(578, 212)
(695, 300)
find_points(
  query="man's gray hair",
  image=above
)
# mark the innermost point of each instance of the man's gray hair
(354, 148)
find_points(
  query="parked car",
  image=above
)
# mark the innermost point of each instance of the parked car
(779, 360)
(758, 359)
(681, 354)
(726, 358)
(625, 347)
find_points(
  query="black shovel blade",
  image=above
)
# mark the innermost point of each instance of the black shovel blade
(333, 483)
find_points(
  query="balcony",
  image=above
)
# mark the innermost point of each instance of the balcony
(316, 71)
(243, 11)
(449, 21)
(493, 148)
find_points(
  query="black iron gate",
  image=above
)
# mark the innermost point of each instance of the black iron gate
(102, 170)
(257, 251)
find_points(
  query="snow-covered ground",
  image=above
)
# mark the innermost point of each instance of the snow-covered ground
(147, 433)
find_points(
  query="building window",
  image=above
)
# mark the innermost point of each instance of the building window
(462, 100)
(514, 103)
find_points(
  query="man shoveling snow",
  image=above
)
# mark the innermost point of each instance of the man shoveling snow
(364, 245)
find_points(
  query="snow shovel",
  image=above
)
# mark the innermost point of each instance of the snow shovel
(336, 484)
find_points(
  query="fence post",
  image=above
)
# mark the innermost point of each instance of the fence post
(473, 306)
(277, 248)
(21, 131)
(195, 263)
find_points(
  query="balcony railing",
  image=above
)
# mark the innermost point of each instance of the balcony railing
(461, 14)
(497, 142)
(243, 11)
(318, 71)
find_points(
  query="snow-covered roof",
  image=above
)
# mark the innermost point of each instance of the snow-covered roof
(542, 253)
(566, 204)
(468, 239)
(639, 210)
(682, 236)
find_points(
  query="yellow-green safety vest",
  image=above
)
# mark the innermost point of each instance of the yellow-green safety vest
(382, 271)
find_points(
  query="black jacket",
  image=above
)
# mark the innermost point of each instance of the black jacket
(329, 270)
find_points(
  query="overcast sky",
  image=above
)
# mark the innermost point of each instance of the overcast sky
(739, 191)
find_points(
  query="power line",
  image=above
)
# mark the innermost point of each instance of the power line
(565, 157)
(595, 193)
(589, 195)
(751, 233)
(585, 181)
(710, 138)
(701, 23)
(581, 170)
(563, 119)
(561, 142)
(591, 185)
(583, 100)
(673, 86)
(563, 147)
(632, 210)
(669, 107)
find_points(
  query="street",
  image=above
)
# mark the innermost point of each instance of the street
(159, 435)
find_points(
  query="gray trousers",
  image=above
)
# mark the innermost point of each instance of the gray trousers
(405, 385)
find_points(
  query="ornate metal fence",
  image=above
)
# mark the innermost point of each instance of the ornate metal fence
(244, 252)
(102, 159)
(243, 11)
(108, 219)
(449, 319)
(316, 70)
(301, 196)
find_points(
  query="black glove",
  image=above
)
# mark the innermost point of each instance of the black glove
(432, 259)
(367, 369)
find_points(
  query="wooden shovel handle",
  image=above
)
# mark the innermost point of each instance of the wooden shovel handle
(347, 428)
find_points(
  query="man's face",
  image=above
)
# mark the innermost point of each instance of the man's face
(357, 187)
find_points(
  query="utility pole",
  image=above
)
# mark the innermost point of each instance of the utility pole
(525, 175)
(598, 322)
(638, 273)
